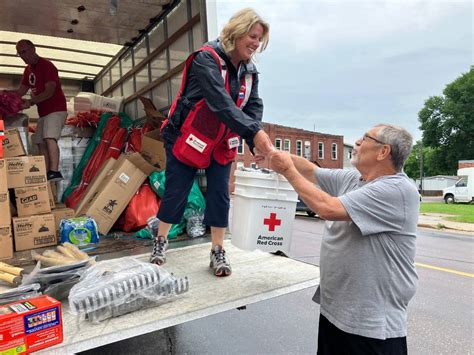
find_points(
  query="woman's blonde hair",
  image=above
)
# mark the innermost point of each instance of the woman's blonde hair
(239, 25)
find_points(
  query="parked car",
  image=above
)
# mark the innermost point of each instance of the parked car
(301, 206)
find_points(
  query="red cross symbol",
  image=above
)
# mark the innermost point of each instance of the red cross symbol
(272, 222)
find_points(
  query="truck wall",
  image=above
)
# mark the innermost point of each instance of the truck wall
(152, 66)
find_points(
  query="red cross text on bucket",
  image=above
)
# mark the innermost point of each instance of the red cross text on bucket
(272, 222)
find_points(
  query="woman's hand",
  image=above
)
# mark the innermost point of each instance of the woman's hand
(258, 156)
(262, 143)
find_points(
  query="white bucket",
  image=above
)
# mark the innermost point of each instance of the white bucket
(263, 211)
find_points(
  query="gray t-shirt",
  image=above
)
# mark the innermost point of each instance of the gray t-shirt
(367, 264)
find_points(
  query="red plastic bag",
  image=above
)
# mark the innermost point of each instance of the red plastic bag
(142, 206)
(134, 142)
(10, 103)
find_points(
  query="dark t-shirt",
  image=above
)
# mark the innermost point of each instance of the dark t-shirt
(35, 77)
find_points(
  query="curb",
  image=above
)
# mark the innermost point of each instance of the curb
(431, 226)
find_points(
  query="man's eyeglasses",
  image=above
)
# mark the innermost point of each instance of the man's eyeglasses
(374, 139)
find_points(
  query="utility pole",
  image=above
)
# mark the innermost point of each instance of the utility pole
(421, 168)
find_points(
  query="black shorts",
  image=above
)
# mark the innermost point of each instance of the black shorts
(333, 341)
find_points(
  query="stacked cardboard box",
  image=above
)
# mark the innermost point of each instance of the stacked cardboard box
(34, 227)
(112, 189)
(13, 143)
(6, 242)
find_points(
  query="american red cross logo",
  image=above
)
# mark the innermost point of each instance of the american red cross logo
(272, 222)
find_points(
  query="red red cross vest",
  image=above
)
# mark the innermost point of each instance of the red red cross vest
(203, 135)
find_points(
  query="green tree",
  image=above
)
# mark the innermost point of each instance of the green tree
(447, 123)
(430, 162)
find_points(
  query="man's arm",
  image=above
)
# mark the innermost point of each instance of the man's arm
(21, 91)
(48, 92)
(305, 168)
(325, 205)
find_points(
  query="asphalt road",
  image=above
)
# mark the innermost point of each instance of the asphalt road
(440, 317)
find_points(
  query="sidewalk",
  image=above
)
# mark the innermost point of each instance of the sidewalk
(440, 222)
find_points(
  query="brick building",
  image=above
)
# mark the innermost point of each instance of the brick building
(326, 149)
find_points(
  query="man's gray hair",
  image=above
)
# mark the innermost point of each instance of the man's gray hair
(400, 141)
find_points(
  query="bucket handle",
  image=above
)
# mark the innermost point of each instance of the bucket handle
(277, 184)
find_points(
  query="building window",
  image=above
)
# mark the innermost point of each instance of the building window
(334, 151)
(307, 150)
(320, 150)
(240, 148)
(278, 143)
(299, 148)
(286, 145)
(349, 154)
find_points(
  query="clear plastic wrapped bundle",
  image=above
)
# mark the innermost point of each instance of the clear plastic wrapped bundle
(194, 223)
(115, 287)
(56, 281)
(22, 292)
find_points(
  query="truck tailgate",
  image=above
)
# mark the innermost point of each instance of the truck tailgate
(257, 276)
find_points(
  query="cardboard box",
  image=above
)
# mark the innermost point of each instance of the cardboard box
(154, 117)
(3, 176)
(5, 212)
(153, 149)
(34, 232)
(13, 210)
(52, 194)
(32, 200)
(112, 195)
(25, 171)
(105, 170)
(30, 325)
(12, 144)
(6, 242)
(59, 214)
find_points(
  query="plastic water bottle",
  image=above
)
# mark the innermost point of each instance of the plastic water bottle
(153, 224)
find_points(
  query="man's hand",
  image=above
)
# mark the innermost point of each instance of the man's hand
(280, 161)
(263, 143)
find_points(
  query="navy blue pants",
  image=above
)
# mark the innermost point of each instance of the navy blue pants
(178, 184)
(332, 340)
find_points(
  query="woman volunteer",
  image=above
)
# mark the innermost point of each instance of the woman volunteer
(217, 103)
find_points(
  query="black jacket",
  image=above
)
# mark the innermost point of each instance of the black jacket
(205, 80)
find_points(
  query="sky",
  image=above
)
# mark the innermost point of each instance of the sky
(340, 67)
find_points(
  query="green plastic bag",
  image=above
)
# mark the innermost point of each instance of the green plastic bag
(196, 201)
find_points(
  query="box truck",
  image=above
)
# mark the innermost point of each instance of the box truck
(463, 189)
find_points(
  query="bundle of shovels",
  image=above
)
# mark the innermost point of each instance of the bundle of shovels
(65, 254)
(11, 274)
(56, 272)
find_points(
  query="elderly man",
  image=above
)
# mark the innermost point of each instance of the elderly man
(368, 248)
(41, 76)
